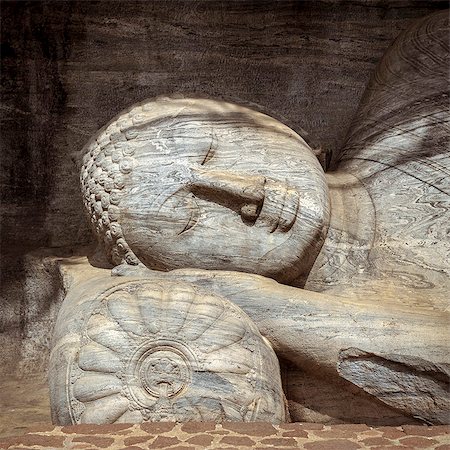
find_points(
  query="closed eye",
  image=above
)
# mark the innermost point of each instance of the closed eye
(211, 150)
(208, 156)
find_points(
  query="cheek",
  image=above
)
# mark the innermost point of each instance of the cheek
(251, 252)
(159, 214)
(175, 215)
(225, 243)
(217, 240)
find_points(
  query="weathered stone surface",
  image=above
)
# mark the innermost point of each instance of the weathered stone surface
(166, 188)
(385, 252)
(418, 442)
(373, 441)
(378, 262)
(174, 437)
(139, 350)
(208, 185)
(102, 442)
(252, 429)
(202, 440)
(164, 441)
(197, 427)
(114, 428)
(238, 441)
(157, 428)
(35, 439)
(426, 431)
(398, 148)
(136, 440)
(69, 66)
(312, 329)
(332, 444)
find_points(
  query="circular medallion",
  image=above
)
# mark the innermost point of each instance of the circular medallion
(164, 371)
(163, 350)
(159, 370)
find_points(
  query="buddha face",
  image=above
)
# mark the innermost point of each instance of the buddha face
(225, 190)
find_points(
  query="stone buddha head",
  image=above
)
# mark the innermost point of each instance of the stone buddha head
(194, 183)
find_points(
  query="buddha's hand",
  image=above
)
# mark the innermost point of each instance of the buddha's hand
(128, 270)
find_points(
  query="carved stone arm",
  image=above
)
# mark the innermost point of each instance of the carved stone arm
(399, 355)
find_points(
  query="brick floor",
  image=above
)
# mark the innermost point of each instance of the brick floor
(230, 436)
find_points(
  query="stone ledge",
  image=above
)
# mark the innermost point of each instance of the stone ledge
(193, 435)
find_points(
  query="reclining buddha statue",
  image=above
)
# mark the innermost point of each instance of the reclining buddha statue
(234, 253)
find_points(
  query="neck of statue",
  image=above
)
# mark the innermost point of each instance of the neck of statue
(344, 254)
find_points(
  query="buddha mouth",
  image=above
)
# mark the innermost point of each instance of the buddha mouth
(279, 207)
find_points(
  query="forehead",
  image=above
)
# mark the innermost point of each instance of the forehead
(216, 139)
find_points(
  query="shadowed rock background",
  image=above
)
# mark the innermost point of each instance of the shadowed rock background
(69, 66)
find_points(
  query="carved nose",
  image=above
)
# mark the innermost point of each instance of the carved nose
(239, 192)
